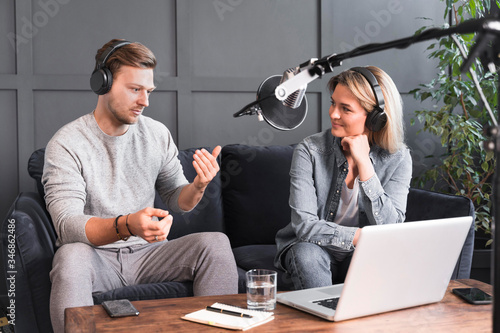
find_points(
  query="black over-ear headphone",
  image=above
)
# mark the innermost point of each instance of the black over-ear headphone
(377, 118)
(102, 79)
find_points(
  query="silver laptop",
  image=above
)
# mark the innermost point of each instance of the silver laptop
(394, 266)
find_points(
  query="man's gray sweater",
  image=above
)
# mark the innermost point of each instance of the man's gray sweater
(88, 173)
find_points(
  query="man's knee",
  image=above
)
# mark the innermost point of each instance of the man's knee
(75, 251)
(217, 247)
(73, 259)
(213, 241)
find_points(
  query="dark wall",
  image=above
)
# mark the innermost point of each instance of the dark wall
(212, 55)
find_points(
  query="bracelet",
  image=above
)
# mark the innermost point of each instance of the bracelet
(126, 224)
(118, 232)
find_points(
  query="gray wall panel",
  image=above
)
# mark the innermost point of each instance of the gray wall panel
(53, 109)
(217, 108)
(163, 107)
(8, 40)
(357, 24)
(8, 151)
(72, 33)
(253, 38)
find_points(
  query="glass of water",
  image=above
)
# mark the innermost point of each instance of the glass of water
(261, 289)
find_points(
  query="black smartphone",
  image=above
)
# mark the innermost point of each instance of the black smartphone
(120, 308)
(473, 295)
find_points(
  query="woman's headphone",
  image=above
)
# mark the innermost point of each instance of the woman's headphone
(102, 79)
(377, 118)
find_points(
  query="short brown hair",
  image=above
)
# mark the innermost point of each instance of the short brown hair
(133, 54)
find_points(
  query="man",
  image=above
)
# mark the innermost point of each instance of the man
(100, 176)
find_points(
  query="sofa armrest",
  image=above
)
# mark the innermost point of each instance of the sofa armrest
(28, 238)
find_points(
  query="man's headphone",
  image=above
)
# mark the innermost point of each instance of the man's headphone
(377, 118)
(102, 79)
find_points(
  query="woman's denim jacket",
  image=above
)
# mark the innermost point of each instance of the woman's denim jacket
(318, 170)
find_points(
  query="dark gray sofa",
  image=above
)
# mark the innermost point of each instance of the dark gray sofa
(248, 200)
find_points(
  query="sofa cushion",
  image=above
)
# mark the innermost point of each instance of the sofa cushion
(242, 280)
(429, 205)
(255, 190)
(207, 215)
(261, 256)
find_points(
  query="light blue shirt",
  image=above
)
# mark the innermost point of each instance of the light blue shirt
(319, 169)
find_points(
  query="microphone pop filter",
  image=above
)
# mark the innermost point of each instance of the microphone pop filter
(274, 112)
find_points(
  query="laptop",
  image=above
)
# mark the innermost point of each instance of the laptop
(394, 266)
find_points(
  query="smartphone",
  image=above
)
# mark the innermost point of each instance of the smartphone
(473, 295)
(120, 308)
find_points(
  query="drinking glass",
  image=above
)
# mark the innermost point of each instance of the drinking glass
(261, 289)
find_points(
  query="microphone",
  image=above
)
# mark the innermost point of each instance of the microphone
(285, 114)
(296, 97)
(302, 75)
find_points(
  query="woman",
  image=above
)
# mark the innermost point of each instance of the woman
(355, 174)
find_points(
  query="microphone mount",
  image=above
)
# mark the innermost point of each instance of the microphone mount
(327, 64)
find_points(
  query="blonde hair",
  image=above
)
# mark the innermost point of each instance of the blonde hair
(391, 136)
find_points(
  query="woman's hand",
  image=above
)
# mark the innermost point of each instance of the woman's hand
(358, 147)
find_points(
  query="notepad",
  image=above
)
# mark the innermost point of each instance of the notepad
(227, 321)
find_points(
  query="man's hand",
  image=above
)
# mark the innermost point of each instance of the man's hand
(101, 231)
(206, 167)
(142, 224)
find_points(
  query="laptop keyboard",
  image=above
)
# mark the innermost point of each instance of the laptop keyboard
(330, 303)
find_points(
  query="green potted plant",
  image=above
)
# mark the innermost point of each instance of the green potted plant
(459, 118)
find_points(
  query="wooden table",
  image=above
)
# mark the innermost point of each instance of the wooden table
(450, 315)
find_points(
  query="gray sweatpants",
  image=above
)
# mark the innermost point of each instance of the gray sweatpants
(78, 270)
